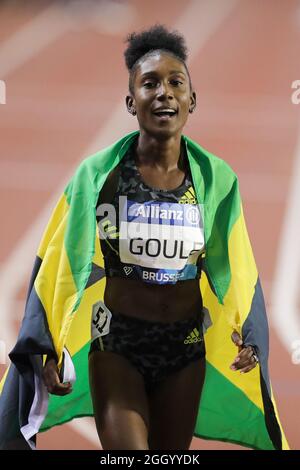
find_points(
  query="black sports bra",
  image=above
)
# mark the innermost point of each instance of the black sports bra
(149, 234)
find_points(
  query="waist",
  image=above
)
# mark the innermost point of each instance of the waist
(165, 303)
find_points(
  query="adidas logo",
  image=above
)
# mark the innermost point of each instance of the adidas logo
(127, 270)
(193, 337)
(188, 197)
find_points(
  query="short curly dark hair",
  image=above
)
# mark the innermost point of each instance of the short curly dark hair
(145, 43)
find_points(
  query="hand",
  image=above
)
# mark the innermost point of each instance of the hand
(52, 380)
(246, 359)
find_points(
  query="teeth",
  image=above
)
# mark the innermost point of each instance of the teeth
(165, 111)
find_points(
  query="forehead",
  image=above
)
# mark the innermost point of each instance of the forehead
(160, 63)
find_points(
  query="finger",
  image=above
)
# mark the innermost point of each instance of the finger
(245, 356)
(242, 355)
(250, 365)
(51, 380)
(254, 359)
(63, 385)
(249, 352)
(61, 389)
(247, 369)
(237, 361)
(61, 393)
(236, 338)
(53, 383)
(234, 365)
(50, 373)
(243, 359)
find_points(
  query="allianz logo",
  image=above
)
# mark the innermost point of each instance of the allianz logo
(154, 211)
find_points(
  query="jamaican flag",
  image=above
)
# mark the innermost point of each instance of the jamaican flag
(68, 279)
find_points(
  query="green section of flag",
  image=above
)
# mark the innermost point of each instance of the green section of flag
(216, 187)
(82, 193)
(242, 423)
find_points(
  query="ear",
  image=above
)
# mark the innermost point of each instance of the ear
(193, 102)
(130, 104)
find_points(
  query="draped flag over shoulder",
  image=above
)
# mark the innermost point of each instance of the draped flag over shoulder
(69, 278)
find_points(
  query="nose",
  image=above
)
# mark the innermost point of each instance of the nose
(164, 91)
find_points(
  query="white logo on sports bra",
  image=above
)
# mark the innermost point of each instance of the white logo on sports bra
(127, 270)
(193, 215)
(154, 211)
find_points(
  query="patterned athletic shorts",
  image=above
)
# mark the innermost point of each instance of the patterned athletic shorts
(156, 349)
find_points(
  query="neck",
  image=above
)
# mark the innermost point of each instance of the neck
(159, 153)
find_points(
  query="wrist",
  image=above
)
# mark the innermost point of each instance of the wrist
(51, 357)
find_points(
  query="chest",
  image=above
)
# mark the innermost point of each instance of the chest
(165, 181)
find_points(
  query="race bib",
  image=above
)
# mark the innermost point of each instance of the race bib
(101, 318)
(160, 235)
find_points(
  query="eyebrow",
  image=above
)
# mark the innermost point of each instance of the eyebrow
(172, 72)
(178, 71)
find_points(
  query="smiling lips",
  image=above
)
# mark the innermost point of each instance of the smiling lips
(165, 113)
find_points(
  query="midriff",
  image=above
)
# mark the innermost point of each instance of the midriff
(165, 303)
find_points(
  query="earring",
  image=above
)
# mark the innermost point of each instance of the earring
(133, 112)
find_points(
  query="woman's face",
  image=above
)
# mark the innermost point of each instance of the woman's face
(162, 96)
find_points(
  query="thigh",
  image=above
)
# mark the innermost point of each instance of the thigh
(173, 405)
(119, 401)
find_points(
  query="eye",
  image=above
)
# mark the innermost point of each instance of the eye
(176, 82)
(149, 84)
